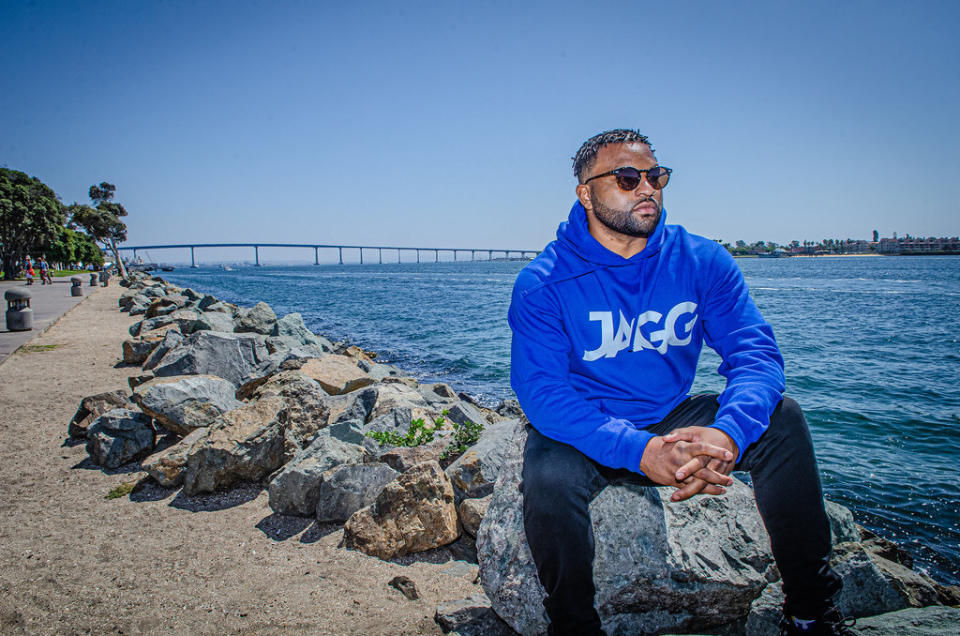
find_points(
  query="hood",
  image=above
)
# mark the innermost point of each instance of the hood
(575, 235)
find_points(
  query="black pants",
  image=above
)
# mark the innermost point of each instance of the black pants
(559, 482)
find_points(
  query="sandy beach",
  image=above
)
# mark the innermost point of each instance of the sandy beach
(156, 561)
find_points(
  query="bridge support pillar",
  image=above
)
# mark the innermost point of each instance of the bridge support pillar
(193, 261)
(436, 256)
(316, 256)
(340, 253)
(473, 255)
(398, 255)
(380, 254)
(361, 256)
(454, 256)
(256, 255)
(490, 255)
(418, 255)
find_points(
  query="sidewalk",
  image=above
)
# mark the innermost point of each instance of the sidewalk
(48, 302)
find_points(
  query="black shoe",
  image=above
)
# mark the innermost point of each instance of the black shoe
(832, 623)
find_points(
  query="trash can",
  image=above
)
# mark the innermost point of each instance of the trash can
(76, 286)
(19, 314)
(93, 279)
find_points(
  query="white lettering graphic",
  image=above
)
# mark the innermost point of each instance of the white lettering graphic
(660, 340)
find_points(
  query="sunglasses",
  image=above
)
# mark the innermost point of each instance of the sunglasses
(628, 178)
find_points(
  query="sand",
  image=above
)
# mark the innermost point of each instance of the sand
(156, 561)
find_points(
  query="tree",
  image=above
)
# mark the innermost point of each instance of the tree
(30, 214)
(103, 221)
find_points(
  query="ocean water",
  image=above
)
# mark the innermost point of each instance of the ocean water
(872, 350)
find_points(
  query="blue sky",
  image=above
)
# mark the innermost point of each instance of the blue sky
(453, 123)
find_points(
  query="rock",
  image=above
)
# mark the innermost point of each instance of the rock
(242, 445)
(885, 548)
(258, 319)
(659, 566)
(137, 351)
(134, 381)
(119, 436)
(210, 321)
(439, 392)
(305, 408)
(166, 305)
(355, 352)
(292, 326)
(413, 513)
(510, 409)
(149, 324)
(766, 612)
(463, 412)
(296, 489)
(381, 372)
(927, 621)
(228, 356)
(139, 306)
(403, 458)
(873, 585)
(471, 616)
(168, 466)
(842, 526)
(336, 374)
(92, 407)
(171, 340)
(355, 405)
(475, 471)
(350, 431)
(407, 587)
(395, 406)
(472, 512)
(183, 403)
(348, 488)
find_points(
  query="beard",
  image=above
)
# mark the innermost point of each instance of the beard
(624, 222)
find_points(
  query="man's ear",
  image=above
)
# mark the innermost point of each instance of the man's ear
(583, 193)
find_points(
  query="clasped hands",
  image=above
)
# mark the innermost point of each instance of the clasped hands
(694, 459)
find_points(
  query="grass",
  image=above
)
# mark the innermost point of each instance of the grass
(464, 435)
(38, 348)
(122, 490)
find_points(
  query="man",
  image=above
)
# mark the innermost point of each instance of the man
(608, 323)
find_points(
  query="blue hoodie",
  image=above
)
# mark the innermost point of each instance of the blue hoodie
(606, 346)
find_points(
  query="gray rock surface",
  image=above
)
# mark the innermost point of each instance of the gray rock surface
(92, 407)
(242, 445)
(927, 621)
(348, 488)
(474, 473)
(119, 436)
(337, 374)
(463, 412)
(171, 340)
(292, 326)
(659, 566)
(510, 409)
(228, 356)
(210, 321)
(305, 410)
(258, 319)
(295, 490)
(471, 616)
(842, 526)
(183, 403)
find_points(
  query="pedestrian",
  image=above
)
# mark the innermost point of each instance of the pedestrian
(608, 324)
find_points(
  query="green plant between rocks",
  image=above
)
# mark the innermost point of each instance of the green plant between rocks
(464, 435)
(122, 490)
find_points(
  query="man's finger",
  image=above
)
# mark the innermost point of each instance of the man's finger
(713, 477)
(703, 448)
(697, 463)
(697, 486)
(682, 435)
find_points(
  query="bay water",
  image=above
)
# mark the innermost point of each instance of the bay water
(871, 344)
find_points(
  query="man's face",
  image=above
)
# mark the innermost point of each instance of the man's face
(635, 213)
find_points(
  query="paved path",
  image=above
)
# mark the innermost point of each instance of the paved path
(48, 302)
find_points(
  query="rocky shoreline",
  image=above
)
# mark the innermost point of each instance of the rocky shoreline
(231, 397)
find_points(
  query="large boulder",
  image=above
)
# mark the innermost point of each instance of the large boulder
(171, 340)
(258, 319)
(168, 465)
(413, 513)
(350, 487)
(183, 403)
(337, 374)
(119, 436)
(210, 321)
(474, 473)
(242, 445)
(659, 567)
(166, 305)
(928, 621)
(295, 490)
(229, 356)
(305, 411)
(472, 512)
(92, 407)
(137, 350)
(292, 327)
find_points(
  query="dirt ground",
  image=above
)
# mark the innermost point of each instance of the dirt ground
(156, 561)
